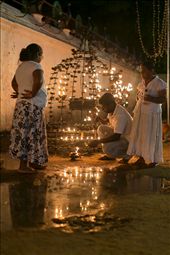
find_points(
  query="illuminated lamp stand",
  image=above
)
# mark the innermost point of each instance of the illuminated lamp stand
(82, 69)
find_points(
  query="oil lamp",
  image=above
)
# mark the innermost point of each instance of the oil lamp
(75, 154)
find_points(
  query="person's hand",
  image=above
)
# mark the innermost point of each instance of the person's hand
(94, 143)
(14, 95)
(27, 94)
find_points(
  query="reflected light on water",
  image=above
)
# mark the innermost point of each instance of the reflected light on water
(70, 195)
(78, 193)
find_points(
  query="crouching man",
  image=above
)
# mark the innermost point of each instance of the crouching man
(114, 135)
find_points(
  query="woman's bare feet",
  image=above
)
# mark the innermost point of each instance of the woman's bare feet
(36, 166)
(152, 165)
(139, 161)
(24, 168)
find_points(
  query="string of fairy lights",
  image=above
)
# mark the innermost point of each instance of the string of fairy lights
(159, 31)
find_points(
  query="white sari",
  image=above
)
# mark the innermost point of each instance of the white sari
(146, 133)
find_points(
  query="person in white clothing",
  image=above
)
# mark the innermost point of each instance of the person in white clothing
(115, 130)
(146, 135)
(28, 141)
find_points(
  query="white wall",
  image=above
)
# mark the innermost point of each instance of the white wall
(14, 37)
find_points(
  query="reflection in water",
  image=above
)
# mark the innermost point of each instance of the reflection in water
(121, 182)
(82, 192)
(115, 181)
(74, 194)
(74, 191)
(27, 200)
(165, 185)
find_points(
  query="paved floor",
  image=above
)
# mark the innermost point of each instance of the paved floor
(85, 207)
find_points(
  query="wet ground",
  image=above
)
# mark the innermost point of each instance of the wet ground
(85, 207)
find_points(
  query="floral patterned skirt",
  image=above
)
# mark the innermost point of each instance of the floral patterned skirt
(28, 134)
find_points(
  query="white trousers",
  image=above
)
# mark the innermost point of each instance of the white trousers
(112, 149)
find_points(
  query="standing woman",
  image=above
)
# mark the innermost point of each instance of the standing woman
(146, 133)
(28, 133)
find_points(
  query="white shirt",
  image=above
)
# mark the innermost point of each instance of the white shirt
(152, 89)
(24, 79)
(121, 121)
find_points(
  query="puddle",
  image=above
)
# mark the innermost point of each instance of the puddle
(73, 199)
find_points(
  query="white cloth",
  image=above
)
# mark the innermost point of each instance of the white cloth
(146, 133)
(24, 79)
(120, 121)
(112, 149)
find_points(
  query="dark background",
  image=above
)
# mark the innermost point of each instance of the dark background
(116, 21)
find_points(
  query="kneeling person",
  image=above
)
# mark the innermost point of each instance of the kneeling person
(115, 134)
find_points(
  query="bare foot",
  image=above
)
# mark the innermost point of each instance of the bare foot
(26, 170)
(36, 166)
(139, 161)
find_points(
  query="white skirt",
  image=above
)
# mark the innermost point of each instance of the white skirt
(146, 136)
